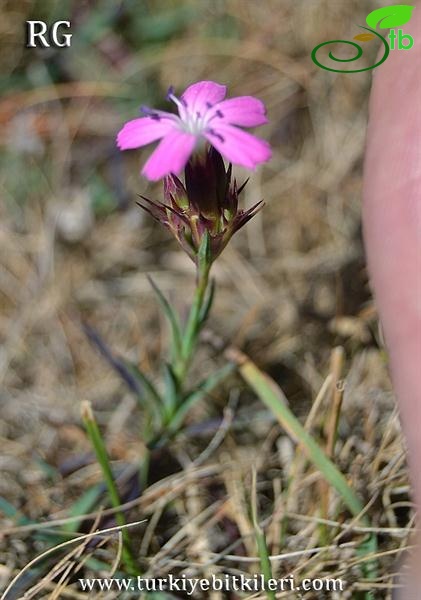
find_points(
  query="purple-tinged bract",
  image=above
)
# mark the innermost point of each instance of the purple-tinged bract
(207, 202)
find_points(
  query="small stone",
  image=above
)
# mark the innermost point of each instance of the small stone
(74, 218)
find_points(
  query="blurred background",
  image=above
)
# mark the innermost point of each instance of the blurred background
(75, 249)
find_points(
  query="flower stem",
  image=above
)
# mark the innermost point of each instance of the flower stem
(194, 323)
(98, 444)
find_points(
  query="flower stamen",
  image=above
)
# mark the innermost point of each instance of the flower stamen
(179, 102)
(202, 117)
(217, 135)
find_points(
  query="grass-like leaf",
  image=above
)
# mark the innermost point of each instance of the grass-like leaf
(262, 547)
(115, 362)
(192, 398)
(203, 389)
(11, 512)
(171, 394)
(148, 396)
(98, 444)
(271, 395)
(83, 505)
(172, 319)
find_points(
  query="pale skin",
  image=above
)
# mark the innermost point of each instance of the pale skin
(392, 233)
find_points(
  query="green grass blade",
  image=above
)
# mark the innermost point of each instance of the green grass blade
(12, 512)
(268, 392)
(271, 395)
(262, 549)
(146, 383)
(98, 444)
(83, 505)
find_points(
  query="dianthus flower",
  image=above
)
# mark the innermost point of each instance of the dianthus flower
(203, 116)
(207, 204)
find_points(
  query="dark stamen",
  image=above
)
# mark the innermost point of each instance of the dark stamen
(171, 96)
(219, 114)
(170, 92)
(217, 135)
(198, 114)
(209, 104)
(149, 112)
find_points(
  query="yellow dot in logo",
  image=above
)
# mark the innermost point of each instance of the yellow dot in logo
(364, 37)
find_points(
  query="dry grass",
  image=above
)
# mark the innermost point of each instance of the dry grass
(291, 287)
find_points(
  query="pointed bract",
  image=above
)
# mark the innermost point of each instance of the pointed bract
(207, 204)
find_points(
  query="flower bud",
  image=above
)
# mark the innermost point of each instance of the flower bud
(207, 202)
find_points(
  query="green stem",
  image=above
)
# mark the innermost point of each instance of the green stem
(193, 325)
(98, 444)
(144, 468)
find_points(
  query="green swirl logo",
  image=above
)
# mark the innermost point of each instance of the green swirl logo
(384, 18)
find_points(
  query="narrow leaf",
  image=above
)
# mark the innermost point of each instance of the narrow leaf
(272, 396)
(262, 548)
(266, 389)
(136, 381)
(100, 450)
(148, 396)
(203, 390)
(116, 363)
(83, 505)
(171, 317)
(12, 513)
(171, 392)
(265, 565)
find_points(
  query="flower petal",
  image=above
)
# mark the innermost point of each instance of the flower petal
(199, 96)
(243, 110)
(170, 156)
(237, 146)
(140, 132)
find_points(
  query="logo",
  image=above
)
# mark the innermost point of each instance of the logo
(387, 17)
(39, 34)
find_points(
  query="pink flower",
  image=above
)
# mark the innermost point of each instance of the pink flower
(203, 115)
